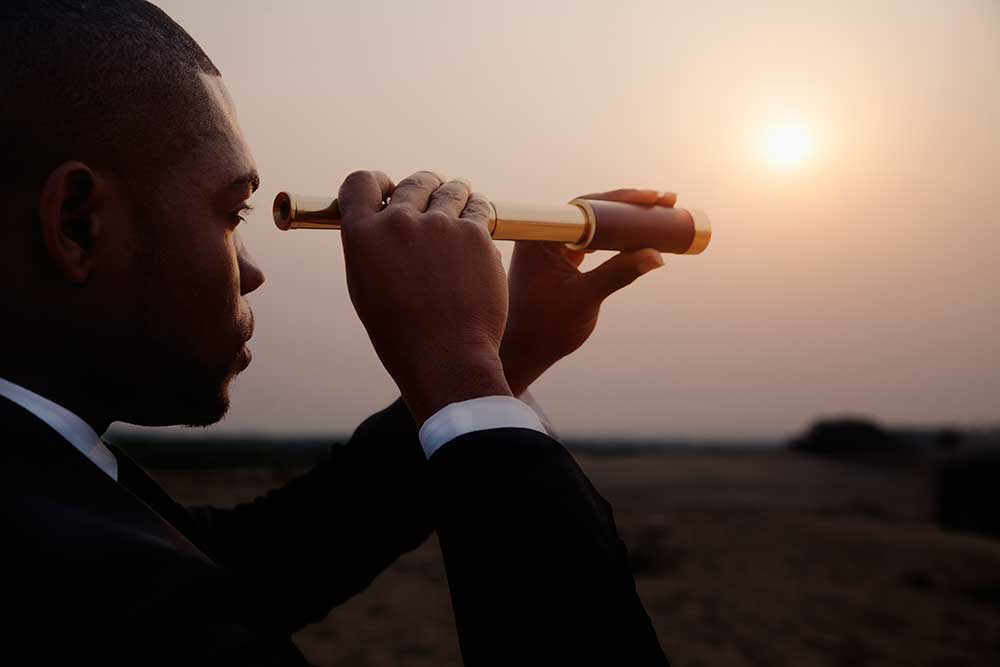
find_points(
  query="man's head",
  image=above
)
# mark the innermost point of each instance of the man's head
(123, 174)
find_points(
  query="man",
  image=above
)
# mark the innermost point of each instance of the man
(122, 297)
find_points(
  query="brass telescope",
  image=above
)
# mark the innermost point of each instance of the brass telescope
(582, 224)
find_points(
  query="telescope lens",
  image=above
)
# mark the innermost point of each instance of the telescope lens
(282, 210)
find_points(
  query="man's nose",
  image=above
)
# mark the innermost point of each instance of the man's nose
(251, 277)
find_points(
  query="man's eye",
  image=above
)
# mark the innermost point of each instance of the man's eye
(240, 215)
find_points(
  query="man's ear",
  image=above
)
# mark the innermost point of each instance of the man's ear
(70, 217)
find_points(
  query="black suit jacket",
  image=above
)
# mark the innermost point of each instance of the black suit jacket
(108, 573)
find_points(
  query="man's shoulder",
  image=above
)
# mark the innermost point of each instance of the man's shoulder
(70, 524)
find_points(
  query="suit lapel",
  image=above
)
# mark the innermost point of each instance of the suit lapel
(140, 484)
(40, 467)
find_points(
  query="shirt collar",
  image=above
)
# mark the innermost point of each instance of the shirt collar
(67, 424)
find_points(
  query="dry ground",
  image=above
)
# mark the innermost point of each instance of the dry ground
(743, 557)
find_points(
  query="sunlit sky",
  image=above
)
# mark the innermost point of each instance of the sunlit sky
(848, 154)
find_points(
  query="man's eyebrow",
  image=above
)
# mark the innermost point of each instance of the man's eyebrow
(251, 180)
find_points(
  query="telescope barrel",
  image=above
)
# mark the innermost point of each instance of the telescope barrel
(589, 224)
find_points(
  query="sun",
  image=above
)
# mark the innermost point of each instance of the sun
(787, 144)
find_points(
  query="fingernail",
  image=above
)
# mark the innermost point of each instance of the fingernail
(466, 182)
(440, 176)
(650, 263)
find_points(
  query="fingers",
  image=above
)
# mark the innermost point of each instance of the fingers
(621, 270)
(667, 199)
(635, 196)
(627, 195)
(415, 190)
(363, 192)
(451, 198)
(575, 257)
(477, 209)
(572, 257)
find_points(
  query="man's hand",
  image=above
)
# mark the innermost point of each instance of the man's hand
(553, 306)
(428, 284)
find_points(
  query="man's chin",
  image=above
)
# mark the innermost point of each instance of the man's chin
(209, 408)
(184, 408)
(208, 414)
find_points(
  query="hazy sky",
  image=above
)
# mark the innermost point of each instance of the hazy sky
(862, 279)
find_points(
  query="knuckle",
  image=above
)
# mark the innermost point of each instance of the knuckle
(437, 218)
(357, 177)
(478, 210)
(475, 228)
(476, 216)
(400, 216)
(407, 182)
(422, 179)
(449, 195)
(481, 204)
(431, 176)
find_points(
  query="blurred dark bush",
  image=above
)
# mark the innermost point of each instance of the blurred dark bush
(845, 437)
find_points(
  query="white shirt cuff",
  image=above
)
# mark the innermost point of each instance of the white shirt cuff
(527, 397)
(476, 414)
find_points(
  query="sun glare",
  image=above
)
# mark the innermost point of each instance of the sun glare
(787, 144)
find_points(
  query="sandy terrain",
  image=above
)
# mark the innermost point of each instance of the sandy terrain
(745, 557)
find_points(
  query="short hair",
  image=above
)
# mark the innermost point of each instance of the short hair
(109, 82)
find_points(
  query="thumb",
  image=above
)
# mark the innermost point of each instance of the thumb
(621, 270)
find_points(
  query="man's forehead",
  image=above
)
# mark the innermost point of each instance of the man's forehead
(223, 152)
(218, 93)
(221, 166)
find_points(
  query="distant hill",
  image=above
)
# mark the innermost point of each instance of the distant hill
(852, 436)
(841, 436)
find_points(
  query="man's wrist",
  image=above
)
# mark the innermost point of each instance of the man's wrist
(453, 382)
(520, 366)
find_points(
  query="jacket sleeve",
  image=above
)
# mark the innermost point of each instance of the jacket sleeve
(324, 536)
(536, 569)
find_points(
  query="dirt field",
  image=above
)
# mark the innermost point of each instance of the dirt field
(745, 557)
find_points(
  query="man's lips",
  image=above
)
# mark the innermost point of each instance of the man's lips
(245, 357)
